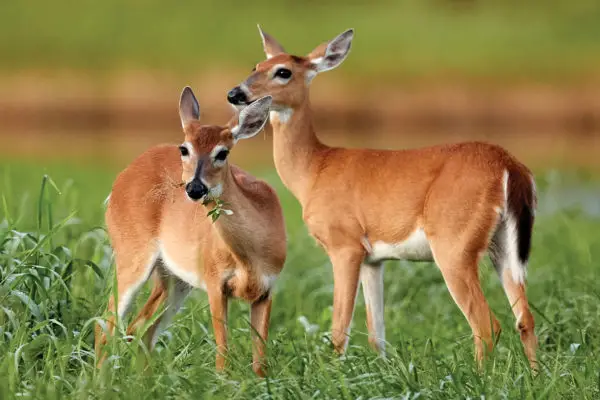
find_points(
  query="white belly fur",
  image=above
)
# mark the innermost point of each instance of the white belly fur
(192, 278)
(415, 248)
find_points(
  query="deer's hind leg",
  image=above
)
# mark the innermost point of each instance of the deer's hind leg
(460, 272)
(504, 256)
(459, 233)
(169, 291)
(132, 269)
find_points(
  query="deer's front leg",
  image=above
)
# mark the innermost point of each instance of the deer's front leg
(346, 271)
(260, 313)
(218, 310)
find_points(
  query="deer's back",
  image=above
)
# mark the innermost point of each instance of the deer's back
(140, 191)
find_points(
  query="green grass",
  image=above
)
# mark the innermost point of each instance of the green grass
(394, 39)
(56, 271)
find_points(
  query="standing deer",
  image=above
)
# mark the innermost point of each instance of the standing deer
(447, 204)
(159, 228)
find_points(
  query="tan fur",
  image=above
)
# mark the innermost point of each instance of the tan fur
(352, 198)
(149, 214)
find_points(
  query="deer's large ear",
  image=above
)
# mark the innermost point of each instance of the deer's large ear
(270, 45)
(189, 110)
(252, 119)
(329, 55)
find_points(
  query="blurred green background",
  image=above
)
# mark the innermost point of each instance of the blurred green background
(100, 80)
(395, 40)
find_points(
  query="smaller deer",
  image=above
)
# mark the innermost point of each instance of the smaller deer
(159, 228)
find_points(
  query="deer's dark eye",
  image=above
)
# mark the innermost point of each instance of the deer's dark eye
(283, 73)
(184, 151)
(222, 155)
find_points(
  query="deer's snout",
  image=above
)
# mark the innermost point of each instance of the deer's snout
(236, 96)
(196, 189)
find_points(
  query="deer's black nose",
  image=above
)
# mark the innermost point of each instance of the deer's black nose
(196, 189)
(237, 96)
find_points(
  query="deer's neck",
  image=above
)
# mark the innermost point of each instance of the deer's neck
(295, 146)
(233, 223)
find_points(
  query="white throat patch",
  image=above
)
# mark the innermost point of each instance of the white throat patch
(216, 191)
(282, 115)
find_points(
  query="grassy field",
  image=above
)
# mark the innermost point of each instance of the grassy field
(536, 40)
(56, 271)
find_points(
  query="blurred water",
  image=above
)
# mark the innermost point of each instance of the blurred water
(541, 151)
(566, 194)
